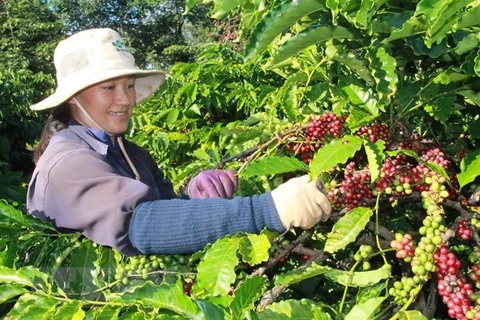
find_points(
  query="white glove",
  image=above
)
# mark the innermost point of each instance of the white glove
(301, 202)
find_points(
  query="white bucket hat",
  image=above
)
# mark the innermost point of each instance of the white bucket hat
(93, 56)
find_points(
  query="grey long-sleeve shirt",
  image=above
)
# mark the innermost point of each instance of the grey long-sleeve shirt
(83, 184)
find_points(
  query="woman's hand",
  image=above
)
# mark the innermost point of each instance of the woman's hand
(213, 184)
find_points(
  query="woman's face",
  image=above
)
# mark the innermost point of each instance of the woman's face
(110, 104)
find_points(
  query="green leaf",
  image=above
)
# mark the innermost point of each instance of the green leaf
(338, 151)
(417, 43)
(406, 152)
(365, 310)
(471, 95)
(108, 313)
(82, 267)
(273, 165)
(375, 157)
(164, 296)
(442, 16)
(276, 21)
(347, 229)
(246, 295)
(314, 34)
(33, 307)
(366, 12)
(187, 94)
(469, 18)
(133, 313)
(469, 42)
(355, 279)
(361, 97)
(189, 5)
(414, 25)
(476, 67)
(210, 309)
(27, 276)
(450, 75)
(351, 60)
(360, 278)
(105, 266)
(216, 271)
(470, 168)
(254, 248)
(290, 101)
(298, 275)
(70, 311)
(411, 315)
(224, 7)
(10, 213)
(390, 21)
(9, 291)
(293, 309)
(383, 66)
(441, 108)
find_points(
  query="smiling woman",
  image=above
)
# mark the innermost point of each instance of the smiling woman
(110, 103)
(89, 178)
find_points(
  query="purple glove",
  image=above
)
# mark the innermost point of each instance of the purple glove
(214, 184)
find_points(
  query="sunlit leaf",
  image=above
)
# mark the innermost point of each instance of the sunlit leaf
(375, 157)
(216, 271)
(272, 25)
(254, 248)
(314, 34)
(224, 7)
(273, 165)
(365, 310)
(33, 307)
(69, 311)
(298, 275)
(347, 229)
(246, 295)
(360, 278)
(336, 152)
(9, 291)
(27, 276)
(293, 309)
(411, 315)
(82, 267)
(383, 66)
(164, 296)
(470, 168)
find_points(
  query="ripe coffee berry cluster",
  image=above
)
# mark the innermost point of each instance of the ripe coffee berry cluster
(375, 132)
(354, 190)
(452, 286)
(464, 230)
(321, 129)
(404, 245)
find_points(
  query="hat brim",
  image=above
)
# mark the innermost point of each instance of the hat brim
(147, 82)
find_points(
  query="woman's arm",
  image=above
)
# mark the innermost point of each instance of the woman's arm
(184, 226)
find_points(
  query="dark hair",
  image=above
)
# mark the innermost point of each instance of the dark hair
(56, 122)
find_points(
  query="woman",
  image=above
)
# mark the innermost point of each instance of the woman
(90, 179)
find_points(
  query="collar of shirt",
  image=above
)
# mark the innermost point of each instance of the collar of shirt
(99, 135)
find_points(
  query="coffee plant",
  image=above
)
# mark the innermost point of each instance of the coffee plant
(378, 99)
